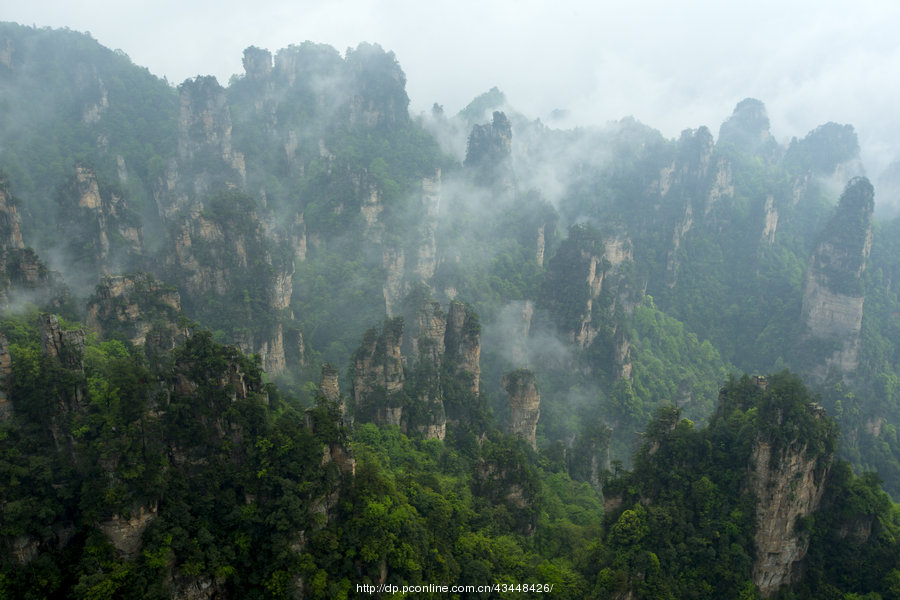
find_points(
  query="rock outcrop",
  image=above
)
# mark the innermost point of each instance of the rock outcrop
(223, 257)
(402, 274)
(124, 532)
(10, 229)
(524, 404)
(378, 375)
(695, 182)
(328, 385)
(488, 153)
(98, 230)
(206, 159)
(136, 305)
(462, 345)
(833, 296)
(789, 486)
(67, 346)
(21, 271)
(788, 480)
(404, 384)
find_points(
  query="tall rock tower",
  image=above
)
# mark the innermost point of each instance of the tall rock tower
(833, 292)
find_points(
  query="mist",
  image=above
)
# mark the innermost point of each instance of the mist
(669, 66)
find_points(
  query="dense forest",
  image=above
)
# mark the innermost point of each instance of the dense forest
(284, 339)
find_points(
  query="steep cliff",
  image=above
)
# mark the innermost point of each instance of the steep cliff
(425, 384)
(426, 362)
(833, 295)
(99, 233)
(10, 229)
(139, 307)
(234, 277)
(23, 276)
(206, 160)
(488, 153)
(377, 376)
(590, 288)
(419, 243)
(696, 182)
(761, 479)
(462, 343)
(524, 404)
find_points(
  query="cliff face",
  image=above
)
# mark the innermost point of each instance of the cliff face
(462, 342)
(695, 182)
(378, 375)
(833, 295)
(524, 404)
(98, 231)
(402, 274)
(23, 273)
(206, 159)
(589, 289)
(788, 467)
(224, 258)
(136, 305)
(10, 230)
(789, 486)
(65, 348)
(393, 386)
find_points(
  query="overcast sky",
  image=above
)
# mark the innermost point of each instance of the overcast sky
(672, 65)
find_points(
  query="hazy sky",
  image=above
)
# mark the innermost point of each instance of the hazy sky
(672, 65)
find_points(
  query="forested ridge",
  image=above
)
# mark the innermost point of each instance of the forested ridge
(282, 338)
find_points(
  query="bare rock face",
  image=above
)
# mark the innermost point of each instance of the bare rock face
(97, 228)
(271, 351)
(394, 261)
(431, 327)
(770, 222)
(330, 389)
(833, 294)
(133, 303)
(378, 375)
(426, 371)
(225, 252)
(426, 245)
(65, 346)
(183, 587)
(413, 264)
(124, 532)
(10, 232)
(788, 487)
(462, 343)
(204, 149)
(698, 183)
(393, 388)
(524, 404)
(22, 269)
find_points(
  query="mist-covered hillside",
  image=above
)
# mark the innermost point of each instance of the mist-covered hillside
(280, 337)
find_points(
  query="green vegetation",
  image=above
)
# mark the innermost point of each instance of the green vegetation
(300, 211)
